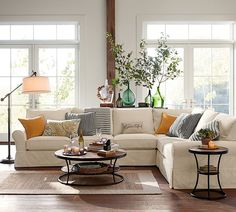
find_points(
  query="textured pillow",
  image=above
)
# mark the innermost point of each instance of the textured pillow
(87, 123)
(213, 125)
(187, 126)
(62, 128)
(132, 127)
(173, 131)
(34, 126)
(166, 121)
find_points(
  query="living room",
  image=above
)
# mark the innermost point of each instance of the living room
(75, 59)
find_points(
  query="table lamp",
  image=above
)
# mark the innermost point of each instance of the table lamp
(30, 85)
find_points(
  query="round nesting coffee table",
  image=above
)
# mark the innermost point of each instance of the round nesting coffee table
(208, 170)
(91, 159)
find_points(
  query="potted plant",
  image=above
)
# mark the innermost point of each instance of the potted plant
(206, 135)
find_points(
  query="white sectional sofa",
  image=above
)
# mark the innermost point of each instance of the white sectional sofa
(169, 154)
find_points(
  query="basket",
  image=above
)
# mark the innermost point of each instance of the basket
(91, 168)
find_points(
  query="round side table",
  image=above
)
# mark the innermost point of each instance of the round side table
(208, 170)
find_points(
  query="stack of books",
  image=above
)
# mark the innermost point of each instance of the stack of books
(95, 146)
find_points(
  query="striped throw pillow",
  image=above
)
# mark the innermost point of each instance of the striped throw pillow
(213, 125)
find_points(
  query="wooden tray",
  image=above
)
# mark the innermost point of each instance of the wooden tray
(205, 147)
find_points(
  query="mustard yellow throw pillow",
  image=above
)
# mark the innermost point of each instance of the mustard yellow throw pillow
(33, 126)
(62, 128)
(166, 121)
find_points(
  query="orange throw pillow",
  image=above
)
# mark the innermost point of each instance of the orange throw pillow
(33, 126)
(166, 121)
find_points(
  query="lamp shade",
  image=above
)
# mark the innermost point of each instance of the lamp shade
(35, 84)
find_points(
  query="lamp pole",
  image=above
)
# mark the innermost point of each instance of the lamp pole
(9, 159)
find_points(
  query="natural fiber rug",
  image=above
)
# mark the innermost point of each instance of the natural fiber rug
(45, 182)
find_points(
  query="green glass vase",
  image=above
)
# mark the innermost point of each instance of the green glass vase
(158, 99)
(128, 97)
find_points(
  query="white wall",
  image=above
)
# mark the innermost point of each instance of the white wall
(129, 14)
(92, 16)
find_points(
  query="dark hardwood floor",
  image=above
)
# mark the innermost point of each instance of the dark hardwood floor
(169, 200)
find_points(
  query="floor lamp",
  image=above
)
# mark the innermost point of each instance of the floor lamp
(31, 84)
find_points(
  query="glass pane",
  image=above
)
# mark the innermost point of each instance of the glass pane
(221, 108)
(66, 62)
(202, 61)
(45, 32)
(49, 98)
(65, 32)
(19, 62)
(4, 88)
(200, 31)
(5, 62)
(47, 61)
(19, 112)
(18, 98)
(220, 87)
(177, 31)
(3, 119)
(203, 94)
(5, 32)
(220, 61)
(21, 32)
(154, 31)
(151, 52)
(66, 91)
(221, 31)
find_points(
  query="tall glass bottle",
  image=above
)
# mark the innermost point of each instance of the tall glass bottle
(81, 140)
(149, 99)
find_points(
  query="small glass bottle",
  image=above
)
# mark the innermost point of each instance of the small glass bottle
(119, 102)
(81, 140)
(149, 99)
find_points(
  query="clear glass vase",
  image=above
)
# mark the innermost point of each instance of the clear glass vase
(128, 97)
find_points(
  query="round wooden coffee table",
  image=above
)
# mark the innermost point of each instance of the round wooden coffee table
(91, 159)
(208, 170)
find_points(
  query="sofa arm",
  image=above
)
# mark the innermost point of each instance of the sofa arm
(20, 140)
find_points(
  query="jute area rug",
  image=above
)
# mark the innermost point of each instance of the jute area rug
(45, 182)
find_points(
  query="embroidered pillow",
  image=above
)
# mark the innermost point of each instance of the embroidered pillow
(132, 127)
(62, 128)
(213, 125)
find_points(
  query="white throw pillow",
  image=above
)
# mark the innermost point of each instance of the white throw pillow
(207, 116)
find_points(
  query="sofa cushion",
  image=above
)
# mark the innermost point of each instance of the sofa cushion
(157, 114)
(87, 123)
(166, 140)
(121, 115)
(136, 141)
(33, 126)
(173, 131)
(46, 143)
(53, 114)
(207, 116)
(226, 124)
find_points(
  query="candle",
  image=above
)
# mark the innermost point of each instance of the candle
(211, 145)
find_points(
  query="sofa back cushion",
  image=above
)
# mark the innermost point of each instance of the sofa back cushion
(157, 114)
(53, 114)
(227, 126)
(125, 115)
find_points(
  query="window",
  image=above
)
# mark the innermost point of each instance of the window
(26, 47)
(206, 52)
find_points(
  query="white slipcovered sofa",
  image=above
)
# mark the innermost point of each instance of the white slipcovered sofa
(169, 154)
